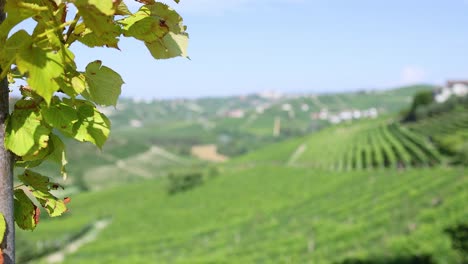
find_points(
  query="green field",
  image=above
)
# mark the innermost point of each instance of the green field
(371, 144)
(374, 190)
(272, 214)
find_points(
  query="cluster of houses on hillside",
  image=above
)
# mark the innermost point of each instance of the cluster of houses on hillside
(324, 114)
(345, 115)
(452, 88)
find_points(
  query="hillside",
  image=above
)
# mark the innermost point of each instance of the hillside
(239, 124)
(372, 144)
(175, 126)
(367, 190)
(272, 214)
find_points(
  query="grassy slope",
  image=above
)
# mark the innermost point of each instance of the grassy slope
(272, 214)
(366, 144)
(176, 127)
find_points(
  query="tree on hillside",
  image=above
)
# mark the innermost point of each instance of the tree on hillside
(421, 99)
(58, 98)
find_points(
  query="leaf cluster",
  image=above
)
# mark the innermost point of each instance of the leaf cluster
(59, 100)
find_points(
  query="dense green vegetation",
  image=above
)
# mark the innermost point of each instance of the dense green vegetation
(272, 214)
(364, 191)
(446, 125)
(365, 145)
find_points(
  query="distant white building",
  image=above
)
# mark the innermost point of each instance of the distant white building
(452, 88)
(335, 119)
(136, 123)
(373, 113)
(323, 115)
(260, 109)
(286, 107)
(346, 115)
(357, 114)
(236, 113)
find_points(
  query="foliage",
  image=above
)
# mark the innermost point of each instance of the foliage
(418, 259)
(459, 237)
(462, 155)
(183, 182)
(58, 99)
(420, 100)
(448, 131)
(272, 214)
(424, 107)
(371, 144)
(2, 234)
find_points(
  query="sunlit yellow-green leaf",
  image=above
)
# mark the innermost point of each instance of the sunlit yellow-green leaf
(98, 15)
(19, 10)
(25, 132)
(104, 84)
(43, 69)
(92, 126)
(13, 45)
(161, 28)
(110, 38)
(170, 46)
(2, 228)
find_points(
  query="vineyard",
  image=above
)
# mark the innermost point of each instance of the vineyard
(448, 131)
(366, 145)
(271, 214)
(373, 190)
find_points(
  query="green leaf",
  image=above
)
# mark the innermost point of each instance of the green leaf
(91, 39)
(46, 23)
(2, 228)
(38, 155)
(18, 11)
(25, 133)
(92, 126)
(104, 84)
(36, 181)
(40, 187)
(105, 7)
(78, 83)
(53, 205)
(98, 16)
(27, 164)
(160, 27)
(58, 154)
(44, 68)
(60, 116)
(170, 46)
(122, 9)
(26, 213)
(13, 45)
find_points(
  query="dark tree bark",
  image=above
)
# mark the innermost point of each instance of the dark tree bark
(6, 171)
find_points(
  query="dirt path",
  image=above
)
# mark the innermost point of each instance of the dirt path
(73, 246)
(297, 154)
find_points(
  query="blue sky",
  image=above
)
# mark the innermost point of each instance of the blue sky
(244, 46)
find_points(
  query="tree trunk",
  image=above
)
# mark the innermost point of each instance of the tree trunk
(6, 171)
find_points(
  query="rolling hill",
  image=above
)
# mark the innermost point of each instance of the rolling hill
(362, 191)
(271, 214)
(372, 144)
